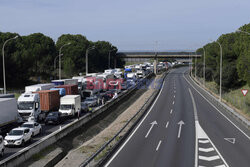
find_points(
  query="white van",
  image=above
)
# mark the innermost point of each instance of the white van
(70, 105)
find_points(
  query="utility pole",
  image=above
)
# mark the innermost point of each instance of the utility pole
(60, 63)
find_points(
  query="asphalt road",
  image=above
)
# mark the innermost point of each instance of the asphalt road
(182, 129)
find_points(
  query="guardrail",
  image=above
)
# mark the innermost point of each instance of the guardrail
(24, 154)
(91, 160)
(231, 111)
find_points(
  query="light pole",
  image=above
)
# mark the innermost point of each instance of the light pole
(195, 70)
(204, 66)
(220, 66)
(86, 55)
(109, 56)
(4, 82)
(60, 64)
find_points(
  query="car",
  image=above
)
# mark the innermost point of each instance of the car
(53, 118)
(91, 101)
(18, 137)
(35, 127)
(1, 146)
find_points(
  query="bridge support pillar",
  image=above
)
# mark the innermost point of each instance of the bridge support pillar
(155, 66)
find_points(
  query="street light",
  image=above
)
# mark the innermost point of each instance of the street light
(86, 55)
(60, 55)
(4, 82)
(204, 66)
(109, 55)
(220, 66)
(195, 70)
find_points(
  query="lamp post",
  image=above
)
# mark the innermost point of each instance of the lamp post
(86, 55)
(220, 66)
(60, 64)
(4, 81)
(204, 66)
(195, 70)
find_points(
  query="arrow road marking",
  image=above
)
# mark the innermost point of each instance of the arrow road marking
(152, 125)
(180, 126)
(231, 140)
(158, 146)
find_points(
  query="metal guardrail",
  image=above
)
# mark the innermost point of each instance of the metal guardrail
(143, 108)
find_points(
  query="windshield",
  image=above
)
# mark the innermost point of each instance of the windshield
(16, 133)
(25, 105)
(65, 107)
(28, 125)
(52, 114)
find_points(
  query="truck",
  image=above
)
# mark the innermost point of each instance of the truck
(126, 72)
(70, 89)
(70, 105)
(58, 82)
(9, 116)
(140, 73)
(70, 81)
(49, 100)
(28, 105)
(38, 87)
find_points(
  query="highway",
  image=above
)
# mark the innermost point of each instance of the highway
(183, 128)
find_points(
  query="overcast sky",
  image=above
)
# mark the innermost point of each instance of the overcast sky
(128, 24)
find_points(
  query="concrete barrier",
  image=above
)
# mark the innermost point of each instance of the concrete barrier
(26, 153)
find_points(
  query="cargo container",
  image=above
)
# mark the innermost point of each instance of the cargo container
(58, 82)
(62, 91)
(70, 89)
(49, 100)
(9, 116)
(38, 87)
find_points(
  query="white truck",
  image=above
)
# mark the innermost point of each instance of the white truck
(9, 116)
(38, 87)
(140, 73)
(70, 105)
(29, 107)
(70, 81)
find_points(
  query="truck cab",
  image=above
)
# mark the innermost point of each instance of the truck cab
(28, 105)
(70, 105)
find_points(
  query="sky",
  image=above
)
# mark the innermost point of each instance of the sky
(131, 25)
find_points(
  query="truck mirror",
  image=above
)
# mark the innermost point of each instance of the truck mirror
(36, 105)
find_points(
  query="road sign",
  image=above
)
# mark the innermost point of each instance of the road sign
(244, 91)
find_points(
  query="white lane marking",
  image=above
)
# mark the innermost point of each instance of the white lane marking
(217, 109)
(231, 140)
(221, 165)
(171, 111)
(206, 149)
(174, 91)
(212, 158)
(152, 125)
(204, 141)
(167, 124)
(174, 96)
(158, 146)
(180, 126)
(173, 102)
(112, 158)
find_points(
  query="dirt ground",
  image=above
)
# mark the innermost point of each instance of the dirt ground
(77, 156)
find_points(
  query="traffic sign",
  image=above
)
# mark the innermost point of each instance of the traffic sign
(244, 91)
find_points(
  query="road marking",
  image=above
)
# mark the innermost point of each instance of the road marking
(231, 140)
(180, 126)
(174, 91)
(217, 108)
(212, 158)
(171, 111)
(174, 96)
(158, 146)
(173, 102)
(204, 141)
(112, 158)
(152, 125)
(206, 149)
(167, 124)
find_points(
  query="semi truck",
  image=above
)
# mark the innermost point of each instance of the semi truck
(70, 105)
(38, 87)
(9, 116)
